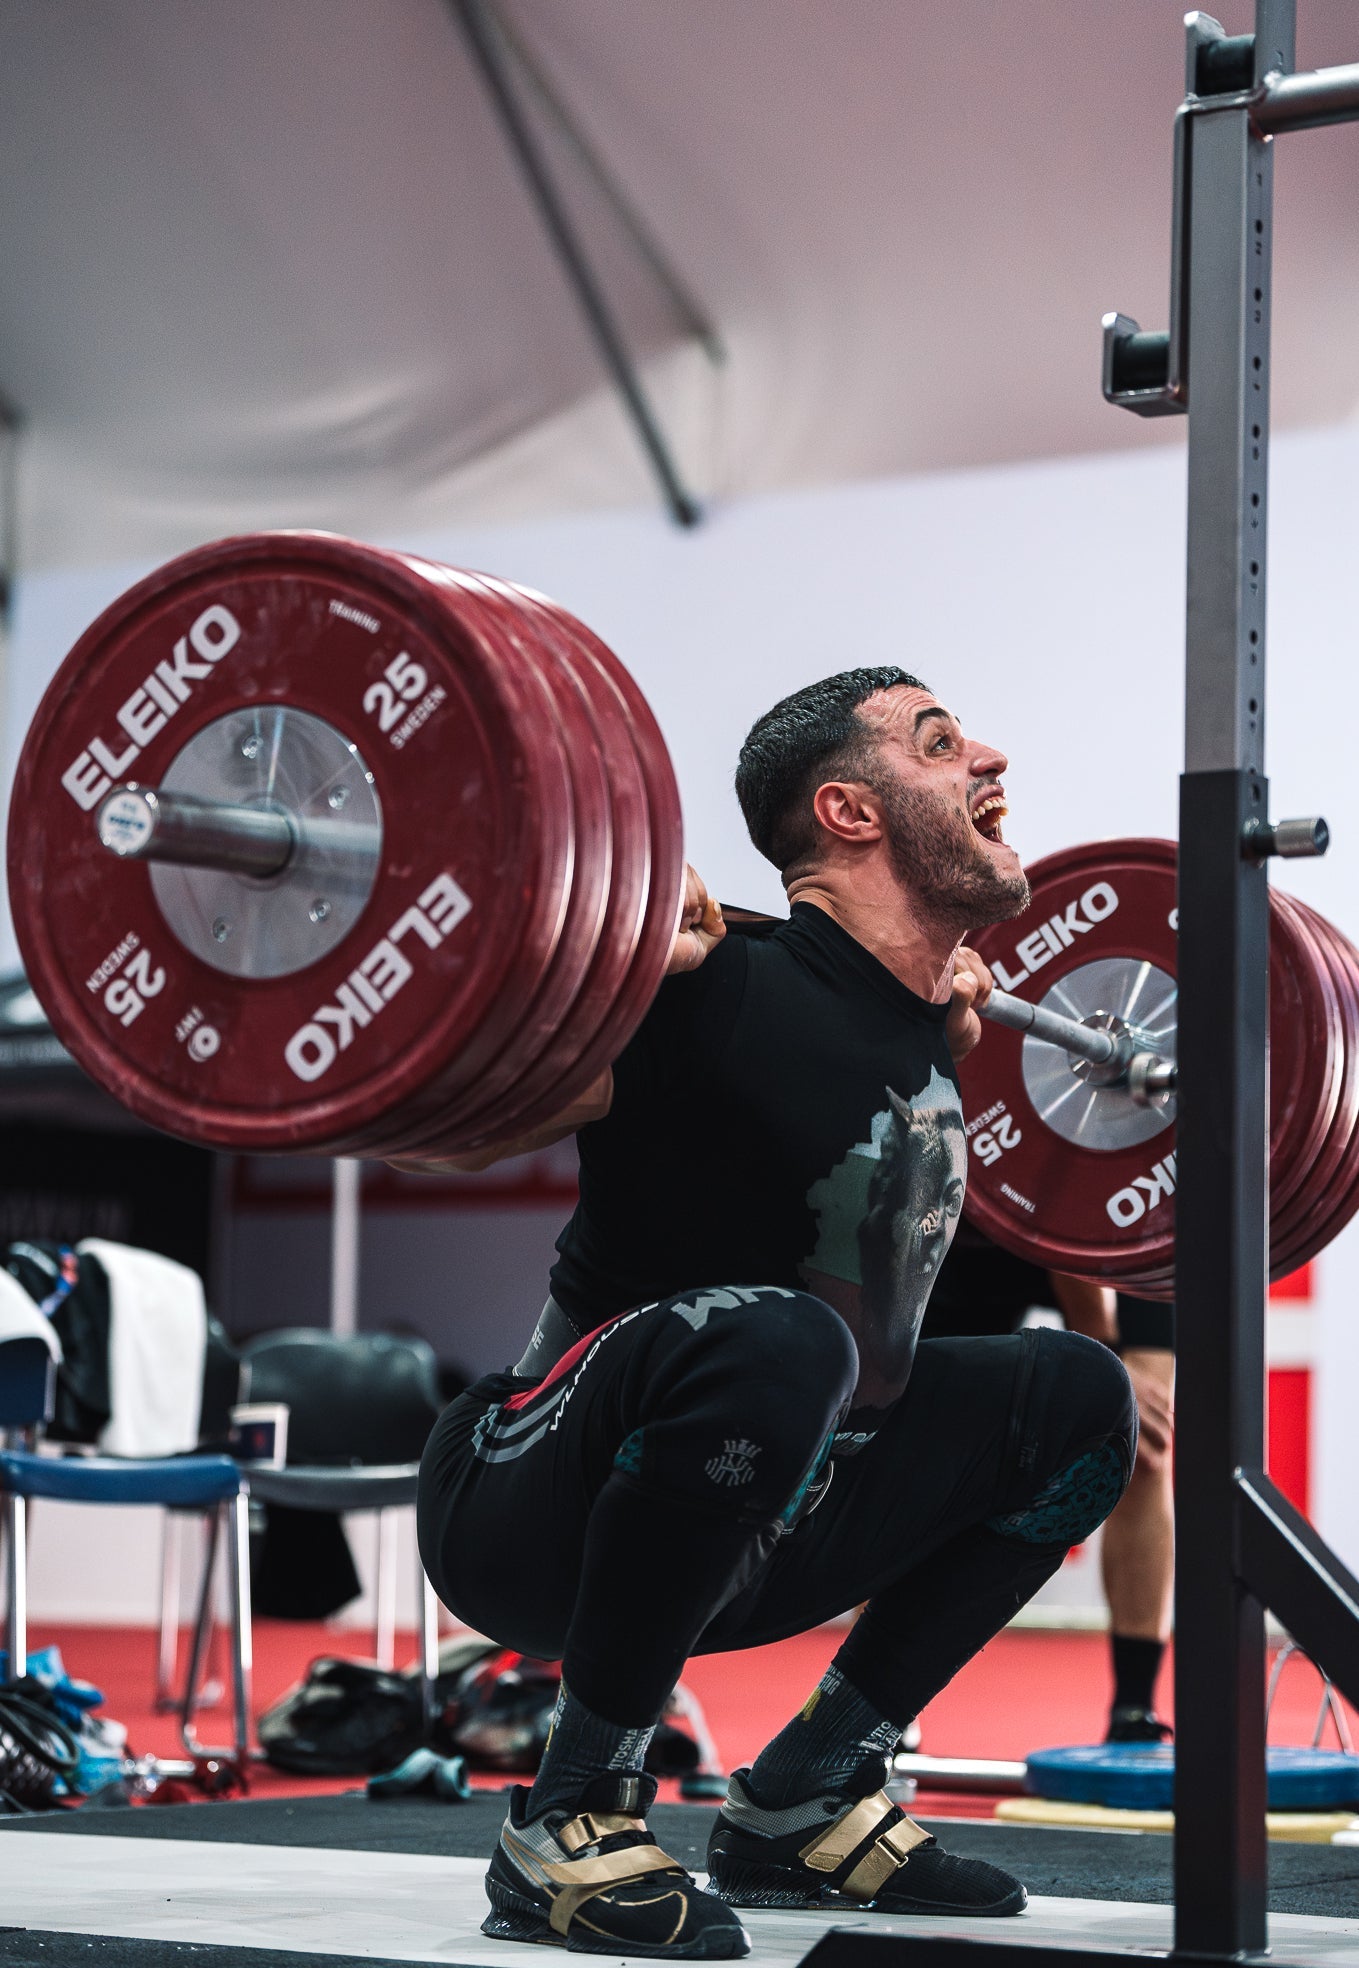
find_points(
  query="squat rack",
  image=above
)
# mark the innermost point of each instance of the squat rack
(1241, 1546)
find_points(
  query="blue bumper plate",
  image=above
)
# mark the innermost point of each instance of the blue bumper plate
(1141, 1777)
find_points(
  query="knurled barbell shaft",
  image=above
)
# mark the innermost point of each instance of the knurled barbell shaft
(1100, 1048)
(1150, 1079)
(143, 823)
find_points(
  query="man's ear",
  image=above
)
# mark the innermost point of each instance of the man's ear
(847, 810)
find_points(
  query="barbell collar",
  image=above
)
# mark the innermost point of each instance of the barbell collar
(1151, 1079)
(142, 823)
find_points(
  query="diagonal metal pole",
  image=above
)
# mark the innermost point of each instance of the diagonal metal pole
(488, 51)
(689, 311)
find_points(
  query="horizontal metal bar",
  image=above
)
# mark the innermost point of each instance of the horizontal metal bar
(1309, 101)
(1100, 1048)
(962, 1773)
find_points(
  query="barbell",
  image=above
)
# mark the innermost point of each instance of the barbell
(318, 847)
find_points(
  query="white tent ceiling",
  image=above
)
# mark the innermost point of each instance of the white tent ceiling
(269, 262)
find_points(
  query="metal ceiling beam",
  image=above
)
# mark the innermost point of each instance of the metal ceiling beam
(689, 311)
(488, 47)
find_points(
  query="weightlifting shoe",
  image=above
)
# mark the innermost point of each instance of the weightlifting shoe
(1137, 1725)
(853, 1845)
(592, 1881)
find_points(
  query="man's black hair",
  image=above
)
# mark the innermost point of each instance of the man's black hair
(808, 738)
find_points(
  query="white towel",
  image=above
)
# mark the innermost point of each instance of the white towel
(21, 1319)
(158, 1336)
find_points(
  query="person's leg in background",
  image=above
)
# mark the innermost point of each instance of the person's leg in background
(1138, 1545)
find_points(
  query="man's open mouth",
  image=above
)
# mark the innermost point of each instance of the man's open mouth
(987, 816)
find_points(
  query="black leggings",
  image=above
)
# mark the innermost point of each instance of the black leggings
(648, 1499)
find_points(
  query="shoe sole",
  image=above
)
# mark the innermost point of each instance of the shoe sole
(766, 1887)
(516, 1918)
(786, 1901)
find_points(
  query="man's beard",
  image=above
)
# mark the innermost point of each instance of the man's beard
(938, 853)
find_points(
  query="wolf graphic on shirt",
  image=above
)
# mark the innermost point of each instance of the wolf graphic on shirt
(886, 1215)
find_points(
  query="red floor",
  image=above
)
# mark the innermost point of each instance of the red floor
(1027, 1690)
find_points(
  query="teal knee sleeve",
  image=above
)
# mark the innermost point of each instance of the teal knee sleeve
(1073, 1502)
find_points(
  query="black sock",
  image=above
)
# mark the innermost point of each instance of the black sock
(823, 1745)
(582, 1745)
(1136, 1664)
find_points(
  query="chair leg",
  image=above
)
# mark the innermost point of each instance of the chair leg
(429, 1645)
(242, 1632)
(384, 1590)
(168, 1701)
(201, 1631)
(167, 1653)
(386, 1593)
(16, 1586)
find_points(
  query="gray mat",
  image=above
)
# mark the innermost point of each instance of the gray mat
(22, 1947)
(1092, 1865)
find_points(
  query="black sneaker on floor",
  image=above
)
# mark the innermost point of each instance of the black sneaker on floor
(1137, 1725)
(854, 1845)
(593, 1881)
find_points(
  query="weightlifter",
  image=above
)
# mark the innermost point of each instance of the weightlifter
(724, 1430)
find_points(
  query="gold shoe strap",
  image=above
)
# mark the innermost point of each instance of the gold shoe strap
(582, 1879)
(888, 1853)
(591, 1826)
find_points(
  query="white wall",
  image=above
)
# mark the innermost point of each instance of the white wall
(103, 1568)
(1044, 603)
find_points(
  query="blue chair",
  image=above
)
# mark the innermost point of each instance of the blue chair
(212, 1484)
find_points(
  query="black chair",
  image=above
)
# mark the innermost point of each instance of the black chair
(360, 1409)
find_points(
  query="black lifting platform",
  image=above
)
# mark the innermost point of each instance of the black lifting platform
(1241, 1546)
